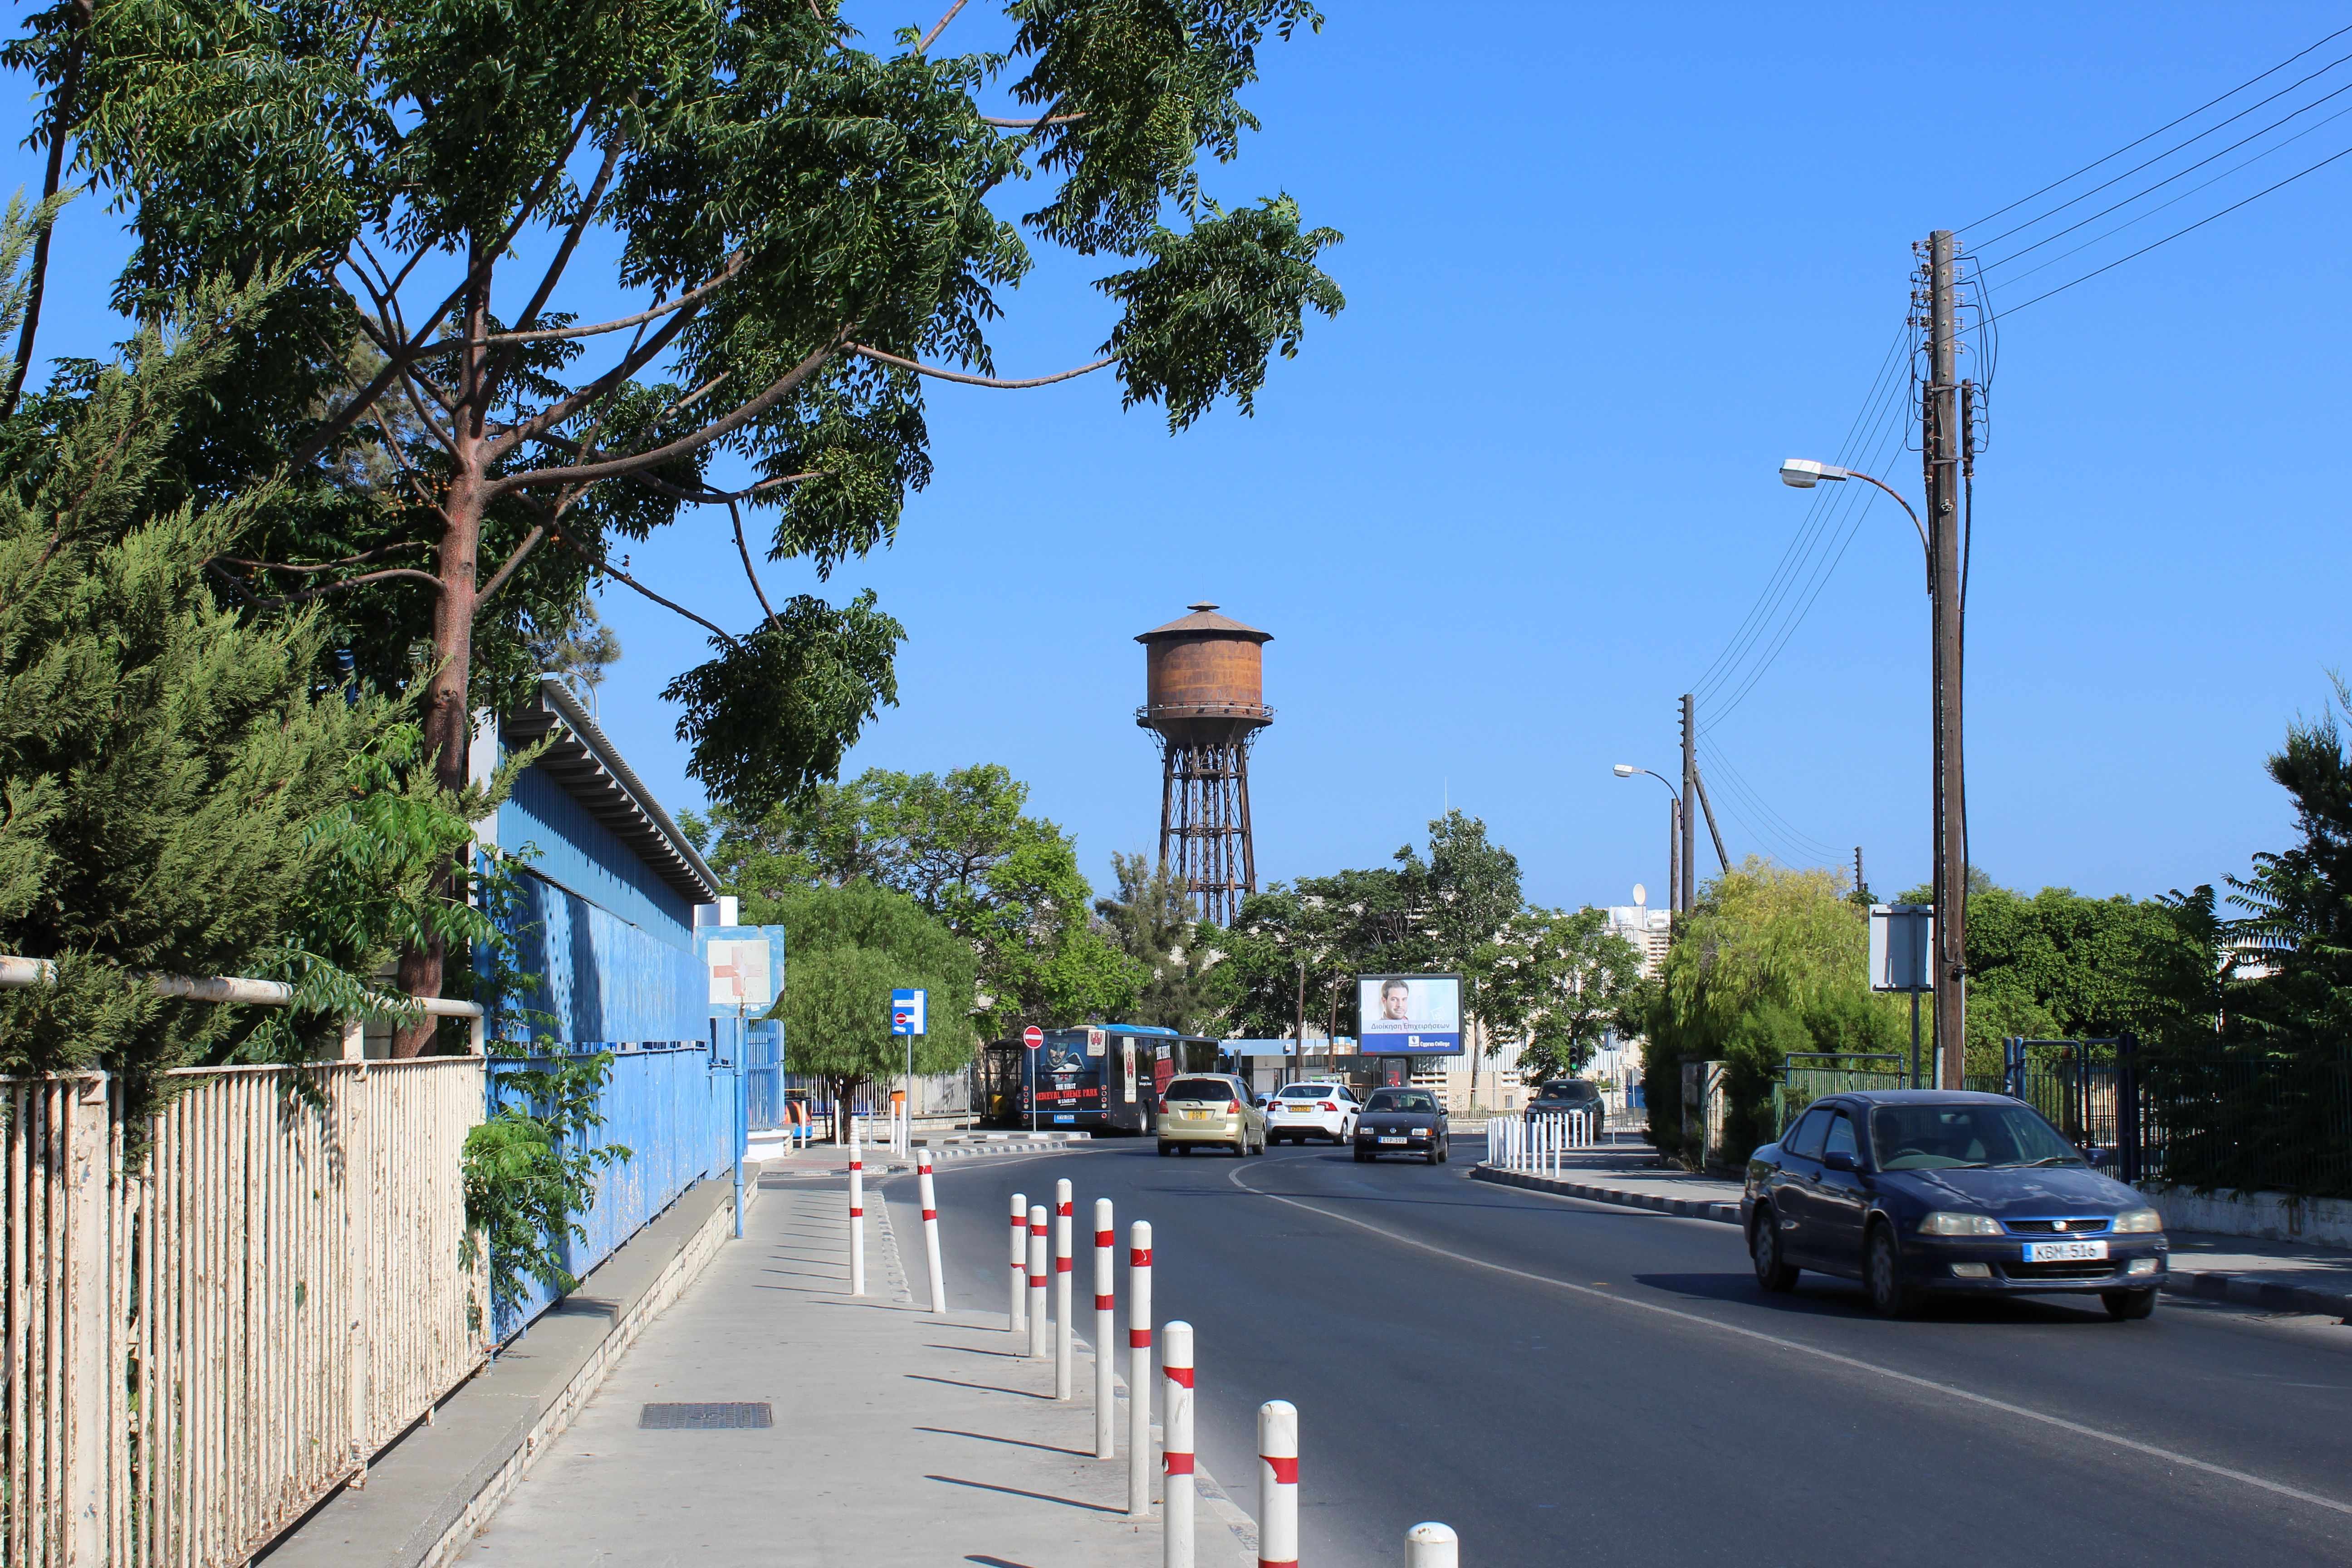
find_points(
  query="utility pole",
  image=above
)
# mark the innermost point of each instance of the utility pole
(1861, 888)
(1674, 853)
(1942, 435)
(1690, 818)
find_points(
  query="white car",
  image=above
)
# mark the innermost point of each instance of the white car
(1298, 1112)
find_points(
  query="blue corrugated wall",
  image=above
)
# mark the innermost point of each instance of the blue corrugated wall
(601, 977)
(675, 1109)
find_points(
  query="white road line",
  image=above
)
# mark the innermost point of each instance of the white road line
(1949, 1390)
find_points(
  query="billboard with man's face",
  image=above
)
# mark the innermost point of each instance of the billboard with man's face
(1408, 1014)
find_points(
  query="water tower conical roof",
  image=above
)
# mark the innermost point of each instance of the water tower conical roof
(1204, 620)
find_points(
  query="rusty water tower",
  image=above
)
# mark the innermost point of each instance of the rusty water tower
(1205, 702)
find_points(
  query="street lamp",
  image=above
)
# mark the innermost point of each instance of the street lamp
(1673, 833)
(1945, 612)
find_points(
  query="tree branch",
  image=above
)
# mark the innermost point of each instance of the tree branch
(364, 555)
(618, 574)
(1030, 124)
(335, 587)
(655, 456)
(745, 550)
(499, 578)
(940, 25)
(68, 85)
(966, 380)
(640, 355)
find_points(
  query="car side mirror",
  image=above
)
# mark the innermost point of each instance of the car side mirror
(1839, 1160)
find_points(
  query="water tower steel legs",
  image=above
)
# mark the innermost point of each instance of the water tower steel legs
(1204, 826)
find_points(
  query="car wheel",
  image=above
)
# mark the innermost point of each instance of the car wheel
(2129, 1306)
(1773, 1273)
(1163, 1150)
(1882, 1270)
(1184, 1148)
(1445, 1153)
(1363, 1156)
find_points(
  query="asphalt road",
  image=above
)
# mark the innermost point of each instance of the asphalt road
(1565, 1382)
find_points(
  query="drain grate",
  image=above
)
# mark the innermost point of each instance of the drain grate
(704, 1417)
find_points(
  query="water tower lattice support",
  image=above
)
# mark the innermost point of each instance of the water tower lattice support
(1204, 821)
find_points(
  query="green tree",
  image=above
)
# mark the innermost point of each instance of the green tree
(804, 224)
(1568, 979)
(2298, 904)
(850, 947)
(1466, 893)
(1155, 925)
(964, 849)
(181, 795)
(1771, 960)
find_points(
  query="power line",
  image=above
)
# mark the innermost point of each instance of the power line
(2192, 141)
(2176, 234)
(2160, 130)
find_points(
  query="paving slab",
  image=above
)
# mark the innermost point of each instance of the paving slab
(896, 1437)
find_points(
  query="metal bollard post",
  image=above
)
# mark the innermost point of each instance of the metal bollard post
(1277, 1484)
(857, 1217)
(1037, 1321)
(1017, 1317)
(1138, 1370)
(1176, 1445)
(931, 1232)
(1106, 1332)
(1062, 1283)
(1431, 1545)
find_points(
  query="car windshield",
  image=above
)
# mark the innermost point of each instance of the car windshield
(1418, 1099)
(1195, 1089)
(1965, 1136)
(1306, 1091)
(1567, 1091)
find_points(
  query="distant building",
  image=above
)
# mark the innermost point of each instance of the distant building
(1647, 929)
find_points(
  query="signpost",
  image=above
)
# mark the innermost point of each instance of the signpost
(910, 1014)
(1035, 1038)
(1902, 940)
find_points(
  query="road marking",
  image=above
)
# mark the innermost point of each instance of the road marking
(1856, 1363)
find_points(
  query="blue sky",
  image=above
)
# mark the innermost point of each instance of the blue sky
(1606, 266)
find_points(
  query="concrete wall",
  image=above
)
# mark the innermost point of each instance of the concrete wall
(2274, 1216)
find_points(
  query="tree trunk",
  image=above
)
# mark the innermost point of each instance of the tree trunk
(448, 718)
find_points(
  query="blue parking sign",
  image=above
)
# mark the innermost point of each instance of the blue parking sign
(909, 1011)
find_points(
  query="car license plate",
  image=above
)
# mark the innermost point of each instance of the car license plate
(2064, 1251)
(1391, 1139)
(1065, 1119)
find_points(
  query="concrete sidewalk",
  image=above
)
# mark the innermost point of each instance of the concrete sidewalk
(898, 1438)
(2277, 1275)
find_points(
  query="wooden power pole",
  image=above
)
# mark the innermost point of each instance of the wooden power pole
(1942, 438)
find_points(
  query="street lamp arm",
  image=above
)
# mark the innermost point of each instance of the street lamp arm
(1625, 771)
(1890, 489)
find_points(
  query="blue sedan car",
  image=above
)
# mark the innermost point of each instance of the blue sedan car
(1916, 1192)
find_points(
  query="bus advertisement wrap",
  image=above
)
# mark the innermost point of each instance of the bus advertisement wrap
(1409, 1014)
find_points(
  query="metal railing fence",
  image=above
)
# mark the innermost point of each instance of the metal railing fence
(201, 1347)
(2219, 1119)
(1536, 1143)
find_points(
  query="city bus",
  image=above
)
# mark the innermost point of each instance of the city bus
(1100, 1078)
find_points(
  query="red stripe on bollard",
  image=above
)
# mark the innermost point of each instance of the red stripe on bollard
(1285, 1469)
(1105, 1304)
(1061, 1265)
(1138, 1258)
(1139, 1338)
(857, 1214)
(1183, 1374)
(1105, 1238)
(930, 1214)
(1178, 1464)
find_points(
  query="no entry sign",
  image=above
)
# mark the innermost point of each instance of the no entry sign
(1033, 1037)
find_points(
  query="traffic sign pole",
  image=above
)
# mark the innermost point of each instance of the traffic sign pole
(1033, 1038)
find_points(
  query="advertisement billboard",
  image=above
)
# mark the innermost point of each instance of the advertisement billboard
(1406, 1015)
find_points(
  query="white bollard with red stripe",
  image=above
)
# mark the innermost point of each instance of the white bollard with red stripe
(1106, 1335)
(930, 1231)
(1431, 1545)
(857, 1217)
(1138, 1370)
(1037, 1267)
(1017, 1317)
(1062, 1283)
(1277, 1484)
(1176, 1444)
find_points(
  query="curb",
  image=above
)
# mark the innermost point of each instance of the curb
(2206, 1284)
(1688, 1208)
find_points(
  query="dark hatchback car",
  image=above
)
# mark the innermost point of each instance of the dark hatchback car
(1402, 1121)
(1918, 1192)
(1569, 1094)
